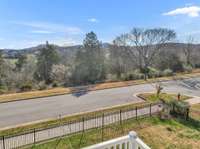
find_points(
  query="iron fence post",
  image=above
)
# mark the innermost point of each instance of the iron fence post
(150, 110)
(4, 143)
(136, 111)
(102, 131)
(83, 124)
(34, 136)
(120, 116)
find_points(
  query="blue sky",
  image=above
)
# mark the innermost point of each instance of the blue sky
(26, 23)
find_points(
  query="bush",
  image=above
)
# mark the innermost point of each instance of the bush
(187, 68)
(132, 76)
(177, 66)
(179, 108)
(112, 77)
(42, 85)
(153, 72)
(26, 87)
(55, 84)
(3, 89)
(167, 72)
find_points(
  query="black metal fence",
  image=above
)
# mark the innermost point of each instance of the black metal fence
(68, 128)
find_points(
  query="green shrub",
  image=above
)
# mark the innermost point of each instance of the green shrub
(153, 72)
(187, 68)
(177, 66)
(42, 85)
(26, 87)
(3, 89)
(55, 84)
(167, 72)
(179, 107)
(132, 76)
(112, 77)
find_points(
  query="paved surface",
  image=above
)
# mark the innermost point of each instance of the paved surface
(15, 113)
(195, 100)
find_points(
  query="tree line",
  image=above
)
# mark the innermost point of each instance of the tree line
(138, 54)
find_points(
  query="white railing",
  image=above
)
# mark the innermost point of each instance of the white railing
(130, 141)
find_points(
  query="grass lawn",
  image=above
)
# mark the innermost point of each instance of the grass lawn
(157, 133)
(152, 97)
(34, 94)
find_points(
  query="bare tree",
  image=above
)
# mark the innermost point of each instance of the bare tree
(142, 45)
(60, 74)
(188, 50)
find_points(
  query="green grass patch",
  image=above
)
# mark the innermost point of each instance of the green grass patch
(152, 97)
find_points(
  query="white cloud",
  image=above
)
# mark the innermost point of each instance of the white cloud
(191, 11)
(50, 27)
(41, 32)
(93, 20)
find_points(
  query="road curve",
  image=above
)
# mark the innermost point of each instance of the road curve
(20, 112)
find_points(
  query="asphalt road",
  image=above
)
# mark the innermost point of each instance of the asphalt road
(20, 112)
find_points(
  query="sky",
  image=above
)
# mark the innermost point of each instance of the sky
(27, 23)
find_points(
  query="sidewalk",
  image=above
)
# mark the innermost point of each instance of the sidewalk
(194, 100)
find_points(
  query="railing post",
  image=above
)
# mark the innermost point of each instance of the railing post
(120, 116)
(83, 124)
(136, 112)
(187, 113)
(102, 127)
(150, 110)
(133, 137)
(34, 136)
(4, 142)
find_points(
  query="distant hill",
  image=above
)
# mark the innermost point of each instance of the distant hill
(71, 50)
(63, 50)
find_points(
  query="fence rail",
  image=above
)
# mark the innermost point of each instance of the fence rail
(72, 127)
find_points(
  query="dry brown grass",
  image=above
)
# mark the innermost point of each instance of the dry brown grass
(34, 94)
(163, 137)
(195, 111)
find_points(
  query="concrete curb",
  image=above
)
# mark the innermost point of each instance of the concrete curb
(192, 97)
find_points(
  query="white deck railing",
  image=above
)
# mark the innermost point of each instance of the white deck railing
(130, 141)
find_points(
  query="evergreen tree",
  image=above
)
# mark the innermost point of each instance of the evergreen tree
(22, 59)
(1, 68)
(47, 57)
(89, 61)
